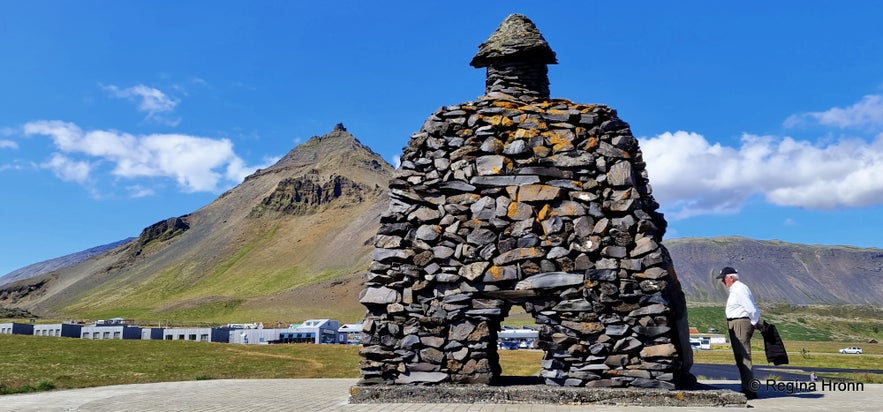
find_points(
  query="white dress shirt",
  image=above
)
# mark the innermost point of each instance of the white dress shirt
(740, 303)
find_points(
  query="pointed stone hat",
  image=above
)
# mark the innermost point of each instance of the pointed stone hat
(517, 38)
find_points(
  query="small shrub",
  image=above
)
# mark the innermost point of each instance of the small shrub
(45, 386)
(41, 386)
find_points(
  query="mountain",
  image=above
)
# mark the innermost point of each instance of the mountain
(288, 235)
(292, 242)
(780, 272)
(47, 266)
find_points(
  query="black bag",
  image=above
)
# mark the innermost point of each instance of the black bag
(772, 345)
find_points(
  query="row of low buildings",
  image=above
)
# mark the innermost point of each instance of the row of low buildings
(323, 331)
(326, 331)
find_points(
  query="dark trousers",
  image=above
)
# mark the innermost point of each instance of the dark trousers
(740, 338)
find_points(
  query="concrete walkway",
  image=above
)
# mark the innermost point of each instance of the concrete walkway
(333, 394)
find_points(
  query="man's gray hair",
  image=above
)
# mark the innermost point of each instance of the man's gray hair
(733, 275)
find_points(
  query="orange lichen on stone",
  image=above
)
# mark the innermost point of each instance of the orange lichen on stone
(496, 272)
(454, 365)
(570, 208)
(545, 213)
(530, 252)
(561, 140)
(529, 108)
(526, 133)
(493, 165)
(559, 135)
(533, 123)
(580, 132)
(519, 211)
(584, 327)
(558, 112)
(592, 143)
(498, 120)
(541, 151)
(505, 104)
(533, 193)
(493, 145)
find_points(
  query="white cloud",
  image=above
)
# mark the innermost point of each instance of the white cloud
(137, 191)
(149, 100)
(68, 169)
(691, 176)
(11, 166)
(5, 143)
(396, 161)
(197, 164)
(868, 112)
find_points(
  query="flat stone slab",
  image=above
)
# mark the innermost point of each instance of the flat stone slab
(544, 394)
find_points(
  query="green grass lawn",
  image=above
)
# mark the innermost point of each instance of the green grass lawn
(28, 361)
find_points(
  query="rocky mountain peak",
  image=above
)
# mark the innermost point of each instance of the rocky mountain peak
(335, 153)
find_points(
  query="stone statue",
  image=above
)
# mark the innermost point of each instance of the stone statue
(520, 199)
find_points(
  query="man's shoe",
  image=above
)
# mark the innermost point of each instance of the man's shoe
(750, 395)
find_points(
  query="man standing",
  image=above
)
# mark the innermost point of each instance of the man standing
(742, 318)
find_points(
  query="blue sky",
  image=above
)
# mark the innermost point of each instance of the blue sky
(758, 119)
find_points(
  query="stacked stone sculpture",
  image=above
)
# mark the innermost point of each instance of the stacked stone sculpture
(520, 199)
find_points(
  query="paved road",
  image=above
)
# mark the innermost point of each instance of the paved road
(764, 372)
(333, 394)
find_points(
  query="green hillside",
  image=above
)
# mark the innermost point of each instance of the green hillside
(804, 323)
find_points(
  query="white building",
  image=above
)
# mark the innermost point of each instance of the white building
(152, 333)
(312, 331)
(350, 334)
(13, 328)
(517, 338)
(197, 334)
(58, 329)
(260, 336)
(110, 332)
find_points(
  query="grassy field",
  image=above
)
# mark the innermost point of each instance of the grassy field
(29, 363)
